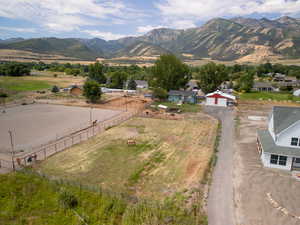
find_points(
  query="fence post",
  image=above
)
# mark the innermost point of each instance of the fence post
(55, 147)
(72, 140)
(45, 154)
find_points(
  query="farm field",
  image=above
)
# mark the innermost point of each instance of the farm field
(37, 124)
(170, 156)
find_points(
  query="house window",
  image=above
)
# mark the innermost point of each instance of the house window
(294, 141)
(274, 159)
(282, 160)
(278, 160)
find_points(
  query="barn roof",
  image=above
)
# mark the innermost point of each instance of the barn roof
(222, 94)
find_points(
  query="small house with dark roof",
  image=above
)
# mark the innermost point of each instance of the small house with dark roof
(263, 86)
(182, 96)
(279, 145)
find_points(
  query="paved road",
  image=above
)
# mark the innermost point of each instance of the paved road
(220, 199)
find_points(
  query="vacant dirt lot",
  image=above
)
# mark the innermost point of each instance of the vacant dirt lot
(37, 124)
(169, 156)
(255, 186)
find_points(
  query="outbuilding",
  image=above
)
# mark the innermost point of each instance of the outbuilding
(219, 98)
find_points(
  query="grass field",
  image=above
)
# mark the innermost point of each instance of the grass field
(20, 84)
(29, 199)
(278, 96)
(169, 156)
(20, 87)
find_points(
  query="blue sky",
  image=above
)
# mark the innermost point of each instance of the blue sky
(113, 19)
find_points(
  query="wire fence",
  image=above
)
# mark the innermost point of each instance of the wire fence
(45, 151)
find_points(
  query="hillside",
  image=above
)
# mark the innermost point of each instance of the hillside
(219, 39)
(140, 48)
(66, 47)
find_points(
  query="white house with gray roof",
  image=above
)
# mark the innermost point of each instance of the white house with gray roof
(279, 145)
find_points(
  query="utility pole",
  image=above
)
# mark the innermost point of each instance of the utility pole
(12, 149)
(126, 102)
(91, 115)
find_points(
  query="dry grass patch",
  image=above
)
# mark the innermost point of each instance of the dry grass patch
(169, 156)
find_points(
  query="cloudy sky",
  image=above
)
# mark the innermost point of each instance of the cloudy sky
(113, 19)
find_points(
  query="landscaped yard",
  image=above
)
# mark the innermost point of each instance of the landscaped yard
(170, 156)
(278, 96)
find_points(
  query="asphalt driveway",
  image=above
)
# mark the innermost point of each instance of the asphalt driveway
(220, 199)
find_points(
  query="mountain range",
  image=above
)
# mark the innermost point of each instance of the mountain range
(243, 39)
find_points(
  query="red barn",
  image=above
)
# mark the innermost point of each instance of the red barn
(218, 98)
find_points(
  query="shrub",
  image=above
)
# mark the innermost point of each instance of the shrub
(67, 200)
(160, 93)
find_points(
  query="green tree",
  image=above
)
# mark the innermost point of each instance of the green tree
(92, 91)
(160, 93)
(245, 82)
(211, 76)
(118, 79)
(170, 73)
(131, 84)
(96, 73)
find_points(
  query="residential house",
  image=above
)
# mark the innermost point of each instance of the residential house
(182, 96)
(279, 77)
(192, 85)
(279, 145)
(141, 84)
(263, 86)
(219, 98)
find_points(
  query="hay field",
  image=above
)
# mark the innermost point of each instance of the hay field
(169, 156)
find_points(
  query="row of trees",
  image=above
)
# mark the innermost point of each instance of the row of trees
(14, 69)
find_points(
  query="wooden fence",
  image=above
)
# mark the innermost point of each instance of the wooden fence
(45, 151)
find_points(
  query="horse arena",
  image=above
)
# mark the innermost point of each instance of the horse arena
(38, 124)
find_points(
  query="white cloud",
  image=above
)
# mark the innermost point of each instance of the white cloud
(104, 35)
(145, 29)
(60, 15)
(175, 11)
(18, 29)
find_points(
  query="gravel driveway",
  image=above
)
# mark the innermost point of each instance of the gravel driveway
(220, 200)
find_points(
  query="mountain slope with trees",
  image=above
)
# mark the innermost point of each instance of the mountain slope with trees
(239, 38)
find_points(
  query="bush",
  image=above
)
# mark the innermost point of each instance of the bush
(55, 89)
(67, 200)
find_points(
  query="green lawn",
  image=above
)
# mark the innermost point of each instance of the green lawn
(21, 84)
(31, 199)
(278, 96)
(184, 107)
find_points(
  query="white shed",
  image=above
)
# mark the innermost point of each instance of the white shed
(218, 98)
(296, 93)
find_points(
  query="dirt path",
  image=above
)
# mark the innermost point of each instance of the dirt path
(220, 200)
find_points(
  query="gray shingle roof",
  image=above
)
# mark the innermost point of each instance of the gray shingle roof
(269, 145)
(182, 93)
(284, 117)
(262, 85)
